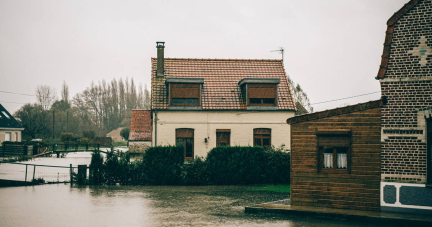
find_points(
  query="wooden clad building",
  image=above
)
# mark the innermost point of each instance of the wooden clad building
(335, 157)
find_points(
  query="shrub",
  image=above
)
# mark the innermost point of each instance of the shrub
(162, 165)
(236, 165)
(125, 133)
(277, 169)
(96, 175)
(195, 172)
(66, 137)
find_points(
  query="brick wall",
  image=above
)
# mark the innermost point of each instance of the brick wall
(407, 84)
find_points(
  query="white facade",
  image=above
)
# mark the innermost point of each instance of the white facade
(205, 124)
(10, 134)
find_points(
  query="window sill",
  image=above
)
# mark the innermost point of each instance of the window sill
(185, 107)
(262, 108)
(334, 171)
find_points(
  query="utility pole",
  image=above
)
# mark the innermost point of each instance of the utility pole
(67, 121)
(53, 124)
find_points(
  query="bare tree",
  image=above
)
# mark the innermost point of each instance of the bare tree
(46, 96)
(65, 92)
(300, 98)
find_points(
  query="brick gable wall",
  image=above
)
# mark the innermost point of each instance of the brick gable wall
(407, 84)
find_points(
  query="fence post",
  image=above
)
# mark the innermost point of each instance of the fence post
(26, 173)
(82, 174)
(70, 174)
(34, 171)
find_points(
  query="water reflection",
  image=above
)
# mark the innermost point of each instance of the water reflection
(62, 205)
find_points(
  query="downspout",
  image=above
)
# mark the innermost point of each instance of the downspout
(155, 127)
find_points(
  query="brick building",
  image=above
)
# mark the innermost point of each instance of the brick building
(405, 76)
(140, 135)
(335, 157)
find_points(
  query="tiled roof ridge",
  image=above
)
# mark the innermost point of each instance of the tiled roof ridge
(289, 87)
(337, 111)
(389, 36)
(220, 59)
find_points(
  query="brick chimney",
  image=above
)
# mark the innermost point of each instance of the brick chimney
(160, 59)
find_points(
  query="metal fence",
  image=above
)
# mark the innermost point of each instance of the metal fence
(32, 172)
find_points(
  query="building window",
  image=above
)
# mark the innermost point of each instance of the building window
(223, 137)
(262, 137)
(185, 139)
(262, 94)
(334, 150)
(7, 136)
(185, 94)
(429, 150)
(16, 136)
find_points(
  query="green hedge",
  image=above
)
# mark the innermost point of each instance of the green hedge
(236, 165)
(165, 166)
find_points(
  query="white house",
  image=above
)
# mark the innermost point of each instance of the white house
(10, 129)
(204, 103)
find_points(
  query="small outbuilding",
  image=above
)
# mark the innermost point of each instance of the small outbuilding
(335, 157)
(140, 136)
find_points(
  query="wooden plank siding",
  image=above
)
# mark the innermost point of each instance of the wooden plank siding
(358, 188)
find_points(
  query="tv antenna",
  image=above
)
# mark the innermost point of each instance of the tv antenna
(281, 50)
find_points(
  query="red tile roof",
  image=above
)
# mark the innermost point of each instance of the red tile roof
(221, 76)
(141, 126)
(389, 36)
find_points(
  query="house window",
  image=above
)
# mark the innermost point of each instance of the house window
(223, 137)
(16, 136)
(262, 137)
(262, 94)
(185, 139)
(334, 150)
(185, 94)
(429, 150)
(7, 136)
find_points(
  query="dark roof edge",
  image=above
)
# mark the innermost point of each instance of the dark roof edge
(259, 81)
(224, 110)
(337, 111)
(220, 59)
(389, 36)
(185, 80)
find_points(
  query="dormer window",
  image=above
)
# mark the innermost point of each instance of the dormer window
(260, 92)
(185, 91)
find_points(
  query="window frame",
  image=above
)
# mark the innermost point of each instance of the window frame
(185, 134)
(219, 133)
(251, 90)
(259, 133)
(333, 139)
(10, 136)
(185, 95)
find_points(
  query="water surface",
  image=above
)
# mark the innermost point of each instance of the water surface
(62, 205)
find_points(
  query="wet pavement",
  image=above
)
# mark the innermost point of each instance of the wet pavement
(396, 219)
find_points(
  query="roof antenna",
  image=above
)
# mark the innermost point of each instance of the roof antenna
(280, 50)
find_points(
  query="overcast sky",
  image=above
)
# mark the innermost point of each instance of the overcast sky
(332, 47)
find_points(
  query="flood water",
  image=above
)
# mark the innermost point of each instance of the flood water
(63, 205)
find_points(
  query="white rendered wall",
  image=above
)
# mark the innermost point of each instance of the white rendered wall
(205, 123)
(13, 137)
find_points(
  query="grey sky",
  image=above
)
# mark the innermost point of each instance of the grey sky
(332, 47)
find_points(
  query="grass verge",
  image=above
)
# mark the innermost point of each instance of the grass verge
(281, 188)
